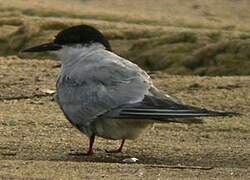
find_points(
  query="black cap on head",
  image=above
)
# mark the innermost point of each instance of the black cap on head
(81, 34)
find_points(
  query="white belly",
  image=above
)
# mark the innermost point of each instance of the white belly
(120, 128)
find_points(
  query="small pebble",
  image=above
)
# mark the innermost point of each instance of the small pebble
(130, 160)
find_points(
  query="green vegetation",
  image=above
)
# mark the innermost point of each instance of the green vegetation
(194, 53)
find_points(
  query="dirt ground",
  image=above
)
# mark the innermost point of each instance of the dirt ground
(37, 142)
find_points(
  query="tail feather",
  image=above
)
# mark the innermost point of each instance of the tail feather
(159, 113)
(170, 115)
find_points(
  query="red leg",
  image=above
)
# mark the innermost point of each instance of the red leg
(117, 150)
(91, 143)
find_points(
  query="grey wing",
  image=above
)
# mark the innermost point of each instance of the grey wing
(165, 108)
(86, 94)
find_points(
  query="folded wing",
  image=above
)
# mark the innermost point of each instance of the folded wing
(165, 108)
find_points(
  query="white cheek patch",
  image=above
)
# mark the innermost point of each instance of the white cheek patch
(73, 51)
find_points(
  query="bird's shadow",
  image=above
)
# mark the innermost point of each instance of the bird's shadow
(205, 160)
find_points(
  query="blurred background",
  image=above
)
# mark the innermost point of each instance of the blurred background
(194, 37)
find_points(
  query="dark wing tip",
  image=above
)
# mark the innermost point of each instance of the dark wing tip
(230, 114)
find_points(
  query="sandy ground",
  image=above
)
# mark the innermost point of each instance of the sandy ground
(37, 142)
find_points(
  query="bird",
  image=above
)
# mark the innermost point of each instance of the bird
(105, 95)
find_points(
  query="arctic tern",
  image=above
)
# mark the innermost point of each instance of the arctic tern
(105, 95)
